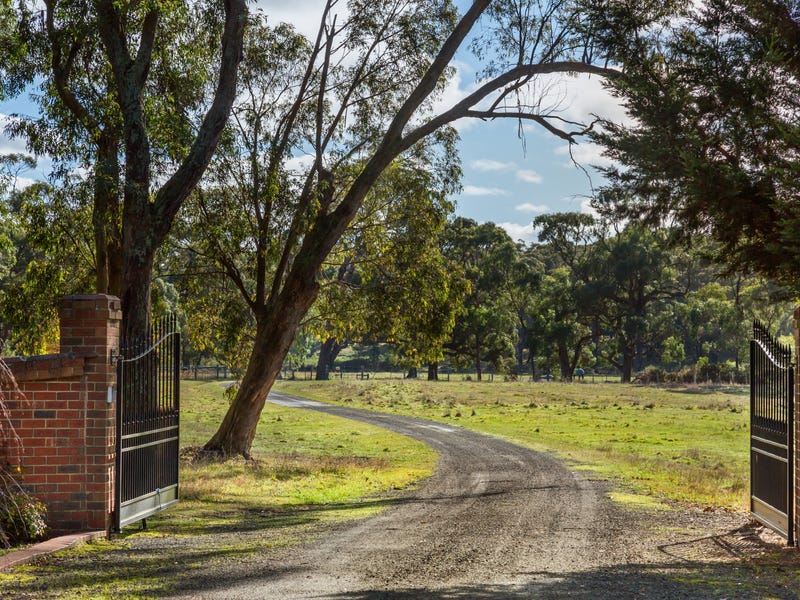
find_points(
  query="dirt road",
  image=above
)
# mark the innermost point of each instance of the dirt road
(501, 521)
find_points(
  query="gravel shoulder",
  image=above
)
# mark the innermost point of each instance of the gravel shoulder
(501, 521)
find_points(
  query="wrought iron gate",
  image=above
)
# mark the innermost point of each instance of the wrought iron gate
(148, 395)
(771, 432)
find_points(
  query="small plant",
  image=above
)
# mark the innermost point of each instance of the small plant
(21, 515)
(230, 393)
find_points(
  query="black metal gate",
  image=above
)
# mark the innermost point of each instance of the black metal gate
(771, 432)
(148, 395)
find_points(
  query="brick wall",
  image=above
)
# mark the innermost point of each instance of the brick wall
(65, 421)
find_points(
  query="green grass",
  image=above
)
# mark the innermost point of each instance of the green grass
(685, 444)
(311, 472)
(302, 457)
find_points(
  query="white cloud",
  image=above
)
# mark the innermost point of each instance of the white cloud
(305, 15)
(20, 183)
(487, 164)
(474, 190)
(585, 154)
(529, 176)
(298, 165)
(534, 208)
(586, 96)
(7, 145)
(524, 232)
(587, 208)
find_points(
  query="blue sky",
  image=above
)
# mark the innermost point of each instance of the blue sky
(505, 180)
(509, 183)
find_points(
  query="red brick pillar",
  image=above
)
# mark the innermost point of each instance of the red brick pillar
(65, 420)
(90, 327)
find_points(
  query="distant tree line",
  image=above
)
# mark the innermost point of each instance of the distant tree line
(587, 296)
(628, 300)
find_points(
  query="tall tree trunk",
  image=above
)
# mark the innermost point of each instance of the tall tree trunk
(478, 360)
(276, 329)
(106, 217)
(136, 286)
(563, 362)
(327, 354)
(412, 373)
(628, 354)
(433, 371)
(519, 348)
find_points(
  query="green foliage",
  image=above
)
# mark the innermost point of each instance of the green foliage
(49, 257)
(674, 352)
(394, 284)
(22, 517)
(125, 96)
(300, 350)
(713, 97)
(484, 329)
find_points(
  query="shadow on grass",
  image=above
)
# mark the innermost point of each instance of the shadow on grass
(239, 566)
(700, 390)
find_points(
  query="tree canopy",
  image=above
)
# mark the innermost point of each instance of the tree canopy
(124, 94)
(712, 146)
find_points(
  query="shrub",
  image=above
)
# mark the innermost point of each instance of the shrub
(22, 517)
(230, 392)
(652, 374)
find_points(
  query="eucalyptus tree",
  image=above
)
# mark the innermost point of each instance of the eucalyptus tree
(10, 233)
(520, 271)
(631, 279)
(53, 258)
(44, 254)
(485, 327)
(364, 94)
(564, 322)
(392, 282)
(560, 327)
(124, 92)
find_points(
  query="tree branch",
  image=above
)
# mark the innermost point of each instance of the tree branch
(141, 65)
(62, 71)
(460, 109)
(172, 194)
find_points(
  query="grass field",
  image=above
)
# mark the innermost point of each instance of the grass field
(686, 444)
(303, 459)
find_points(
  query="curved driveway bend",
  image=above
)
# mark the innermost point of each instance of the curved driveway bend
(495, 521)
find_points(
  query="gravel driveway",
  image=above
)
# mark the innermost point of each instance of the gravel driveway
(501, 521)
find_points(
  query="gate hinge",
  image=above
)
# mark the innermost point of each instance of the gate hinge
(115, 357)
